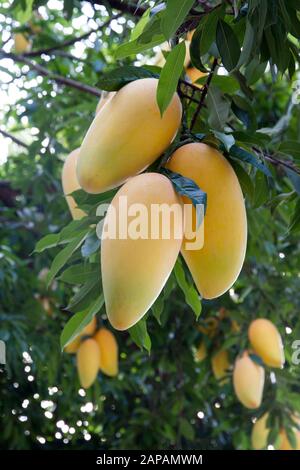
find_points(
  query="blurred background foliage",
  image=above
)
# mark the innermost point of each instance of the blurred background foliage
(164, 399)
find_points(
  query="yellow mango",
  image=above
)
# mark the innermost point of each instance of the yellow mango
(260, 432)
(105, 97)
(108, 346)
(134, 271)
(216, 266)
(72, 347)
(266, 342)
(70, 183)
(126, 136)
(201, 352)
(88, 362)
(194, 75)
(248, 381)
(21, 43)
(88, 330)
(220, 364)
(284, 442)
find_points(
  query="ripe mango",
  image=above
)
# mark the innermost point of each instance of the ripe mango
(248, 381)
(88, 362)
(194, 75)
(105, 97)
(201, 352)
(21, 43)
(216, 266)
(134, 271)
(220, 365)
(126, 136)
(266, 342)
(260, 432)
(284, 442)
(108, 346)
(70, 183)
(88, 330)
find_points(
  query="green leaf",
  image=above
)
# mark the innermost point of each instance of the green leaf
(248, 44)
(228, 45)
(187, 187)
(119, 77)
(209, 28)
(192, 297)
(86, 294)
(294, 226)
(244, 111)
(218, 107)
(227, 139)
(64, 255)
(195, 52)
(186, 429)
(139, 27)
(244, 179)
(174, 15)
(79, 321)
(292, 438)
(49, 241)
(261, 190)
(294, 178)
(158, 308)
(140, 336)
(291, 148)
(169, 76)
(257, 359)
(80, 273)
(247, 157)
(24, 14)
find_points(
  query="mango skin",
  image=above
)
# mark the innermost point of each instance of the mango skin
(88, 330)
(216, 266)
(220, 365)
(126, 136)
(21, 44)
(108, 357)
(248, 381)
(260, 432)
(135, 271)
(194, 75)
(88, 362)
(105, 97)
(70, 183)
(201, 352)
(266, 342)
(284, 442)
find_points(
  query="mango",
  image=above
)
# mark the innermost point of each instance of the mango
(216, 266)
(105, 97)
(220, 365)
(135, 269)
(201, 352)
(194, 75)
(21, 43)
(70, 183)
(266, 342)
(284, 442)
(88, 330)
(260, 432)
(248, 381)
(126, 136)
(108, 346)
(88, 362)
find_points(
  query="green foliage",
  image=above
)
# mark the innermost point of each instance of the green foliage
(247, 108)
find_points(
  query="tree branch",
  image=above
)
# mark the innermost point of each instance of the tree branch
(131, 7)
(14, 139)
(71, 41)
(204, 93)
(52, 76)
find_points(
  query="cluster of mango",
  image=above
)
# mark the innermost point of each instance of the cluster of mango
(96, 350)
(248, 373)
(126, 136)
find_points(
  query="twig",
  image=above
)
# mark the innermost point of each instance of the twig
(204, 93)
(70, 42)
(276, 161)
(14, 139)
(52, 76)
